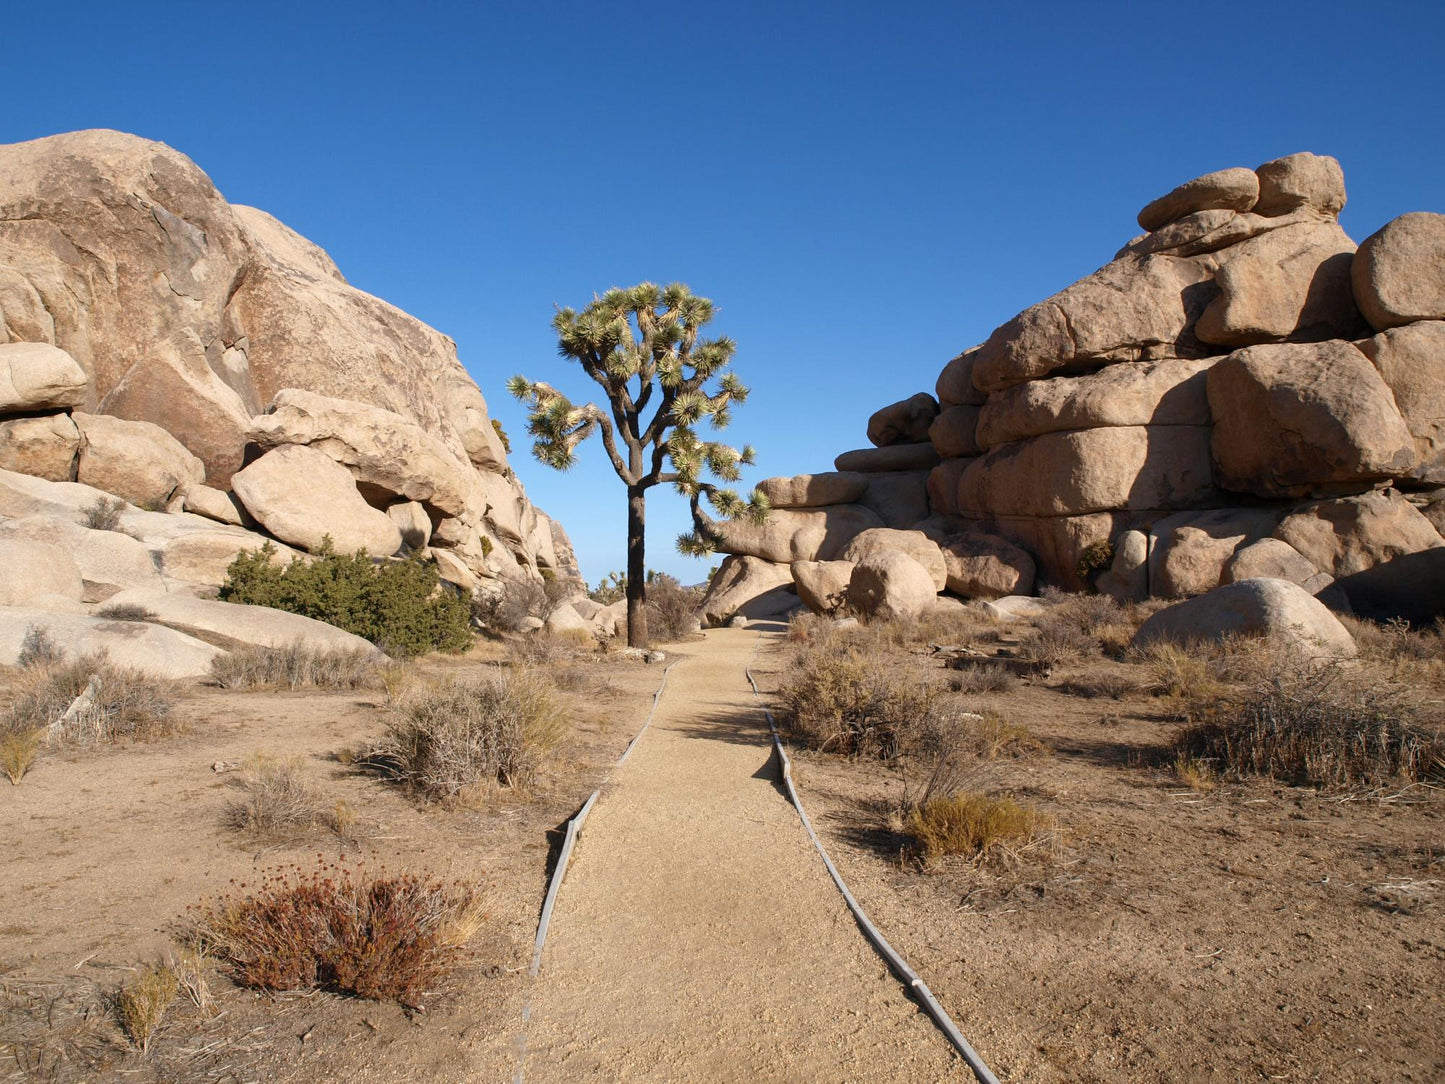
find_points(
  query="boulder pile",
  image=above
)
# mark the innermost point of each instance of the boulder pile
(1240, 393)
(214, 369)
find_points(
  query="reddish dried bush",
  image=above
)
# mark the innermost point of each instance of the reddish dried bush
(388, 937)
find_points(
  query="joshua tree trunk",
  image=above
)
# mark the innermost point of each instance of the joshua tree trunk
(636, 567)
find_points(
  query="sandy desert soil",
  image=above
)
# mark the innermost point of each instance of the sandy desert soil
(106, 848)
(1253, 932)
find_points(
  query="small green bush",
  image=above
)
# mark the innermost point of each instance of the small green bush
(397, 605)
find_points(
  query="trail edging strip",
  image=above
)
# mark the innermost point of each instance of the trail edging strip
(897, 963)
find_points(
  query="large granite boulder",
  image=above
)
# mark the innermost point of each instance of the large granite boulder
(1188, 551)
(383, 450)
(822, 585)
(888, 585)
(38, 376)
(1411, 360)
(1303, 180)
(46, 446)
(955, 385)
(955, 431)
(1352, 534)
(898, 498)
(1290, 418)
(136, 460)
(1399, 272)
(904, 422)
(915, 544)
(32, 569)
(302, 496)
(1167, 392)
(229, 625)
(1276, 610)
(921, 456)
(814, 490)
(1229, 189)
(108, 561)
(1091, 470)
(1270, 558)
(979, 565)
(135, 645)
(788, 535)
(746, 586)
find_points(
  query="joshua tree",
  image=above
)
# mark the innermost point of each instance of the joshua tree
(641, 344)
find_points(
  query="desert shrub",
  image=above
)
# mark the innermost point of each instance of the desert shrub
(142, 1002)
(502, 436)
(610, 588)
(1194, 772)
(278, 801)
(125, 611)
(127, 703)
(1097, 555)
(294, 666)
(505, 605)
(839, 699)
(983, 678)
(672, 609)
(953, 737)
(1057, 641)
(385, 937)
(1298, 720)
(38, 648)
(104, 514)
(975, 826)
(450, 738)
(398, 605)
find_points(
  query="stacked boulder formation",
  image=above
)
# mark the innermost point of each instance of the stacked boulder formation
(215, 369)
(1239, 393)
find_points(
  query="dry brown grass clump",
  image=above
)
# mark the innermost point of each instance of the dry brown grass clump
(975, 826)
(839, 699)
(126, 611)
(121, 703)
(104, 514)
(142, 1002)
(453, 737)
(18, 750)
(295, 666)
(279, 802)
(384, 937)
(983, 678)
(1306, 722)
(1180, 672)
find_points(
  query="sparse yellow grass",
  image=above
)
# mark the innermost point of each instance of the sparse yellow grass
(294, 666)
(142, 1002)
(1178, 672)
(1194, 772)
(18, 749)
(975, 826)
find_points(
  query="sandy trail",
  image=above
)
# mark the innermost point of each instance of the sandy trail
(698, 936)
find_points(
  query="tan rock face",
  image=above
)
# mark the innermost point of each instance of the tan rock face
(943, 483)
(301, 495)
(904, 422)
(1352, 534)
(1127, 578)
(1292, 417)
(1091, 470)
(1057, 543)
(135, 460)
(1135, 307)
(413, 523)
(1288, 284)
(986, 566)
(898, 498)
(184, 311)
(1301, 180)
(1399, 272)
(217, 505)
(47, 447)
(814, 490)
(1411, 360)
(889, 585)
(31, 569)
(1167, 392)
(822, 585)
(1229, 189)
(38, 376)
(915, 544)
(108, 561)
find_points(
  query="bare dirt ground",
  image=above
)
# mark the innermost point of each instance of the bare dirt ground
(1251, 932)
(698, 936)
(106, 848)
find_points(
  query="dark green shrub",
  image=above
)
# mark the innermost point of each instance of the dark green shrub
(397, 605)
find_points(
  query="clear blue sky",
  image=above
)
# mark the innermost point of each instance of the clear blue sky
(864, 191)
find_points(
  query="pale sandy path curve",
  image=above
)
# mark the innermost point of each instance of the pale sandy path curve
(698, 937)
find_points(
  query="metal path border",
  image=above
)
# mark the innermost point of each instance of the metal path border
(896, 963)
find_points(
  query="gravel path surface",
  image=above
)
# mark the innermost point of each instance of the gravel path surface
(698, 936)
